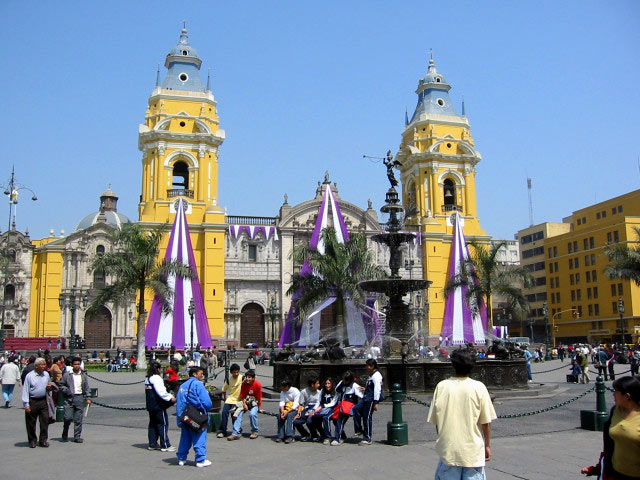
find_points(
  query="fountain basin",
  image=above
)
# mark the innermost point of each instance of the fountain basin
(414, 376)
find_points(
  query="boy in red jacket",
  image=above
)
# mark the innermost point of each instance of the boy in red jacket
(251, 396)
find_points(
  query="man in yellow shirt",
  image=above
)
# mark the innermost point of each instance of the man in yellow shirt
(232, 387)
(461, 410)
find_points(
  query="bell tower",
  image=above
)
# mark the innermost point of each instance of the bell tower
(439, 161)
(179, 141)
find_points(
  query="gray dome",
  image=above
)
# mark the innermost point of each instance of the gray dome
(113, 219)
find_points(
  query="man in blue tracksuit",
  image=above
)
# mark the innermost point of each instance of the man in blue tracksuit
(192, 392)
(363, 411)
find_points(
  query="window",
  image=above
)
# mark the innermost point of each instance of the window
(100, 250)
(557, 282)
(598, 215)
(532, 252)
(253, 253)
(541, 281)
(9, 294)
(613, 210)
(579, 221)
(12, 255)
(609, 237)
(592, 243)
(586, 261)
(180, 177)
(575, 245)
(98, 279)
(604, 214)
(550, 252)
(593, 259)
(616, 237)
(585, 244)
(577, 278)
(579, 294)
(613, 290)
(573, 295)
(596, 309)
(558, 297)
(538, 236)
(541, 296)
(553, 298)
(530, 298)
(570, 263)
(569, 248)
(572, 279)
(588, 293)
(619, 289)
(584, 220)
(614, 307)
(579, 310)
(619, 208)
(588, 277)
(595, 292)
(449, 192)
(556, 265)
(590, 310)
(540, 266)
(576, 262)
(551, 267)
(594, 277)
(555, 251)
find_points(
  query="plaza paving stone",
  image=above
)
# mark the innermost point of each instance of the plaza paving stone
(531, 447)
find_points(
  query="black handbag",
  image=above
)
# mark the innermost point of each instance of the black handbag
(193, 417)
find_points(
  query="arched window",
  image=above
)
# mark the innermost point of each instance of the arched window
(9, 295)
(12, 255)
(98, 279)
(180, 177)
(449, 192)
(411, 196)
(100, 250)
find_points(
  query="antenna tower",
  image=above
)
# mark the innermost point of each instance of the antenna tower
(530, 202)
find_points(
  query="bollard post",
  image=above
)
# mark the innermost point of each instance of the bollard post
(93, 392)
(60, 407)
(397, 430)
(594, 419)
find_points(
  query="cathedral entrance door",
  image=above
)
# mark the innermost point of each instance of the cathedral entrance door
(252, 325)
(97, 329)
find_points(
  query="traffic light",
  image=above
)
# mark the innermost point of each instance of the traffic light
(620, 305)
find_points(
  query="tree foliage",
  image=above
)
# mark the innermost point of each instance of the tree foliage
(624, 261)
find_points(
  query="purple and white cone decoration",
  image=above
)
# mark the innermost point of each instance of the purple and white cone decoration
(164, 330)
(252, 231)
(464, 321)
(359, 323)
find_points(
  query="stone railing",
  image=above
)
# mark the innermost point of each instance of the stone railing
(179, 192)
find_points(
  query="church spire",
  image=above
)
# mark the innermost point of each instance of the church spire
(183, 64)
(433, 94)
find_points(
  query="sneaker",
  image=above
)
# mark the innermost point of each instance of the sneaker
(232, 437)
(181, 463)
(78, 440)
(335, 443)
(168, 449)
(253, 436)
(153, 447)
(6, 405)
(204, 463)
(289, 440)
(364, 442)
(305, 439)
(357, 434)
(326, 441)
(220, 435)
(277, 440)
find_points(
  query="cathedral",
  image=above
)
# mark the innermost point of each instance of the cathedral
(243, 262)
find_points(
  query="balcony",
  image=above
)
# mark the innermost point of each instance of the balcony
(179, 192)
(246, 220)
(452, 208)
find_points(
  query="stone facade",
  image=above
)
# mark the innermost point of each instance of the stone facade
(15, 278)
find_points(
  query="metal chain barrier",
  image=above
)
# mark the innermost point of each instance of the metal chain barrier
(524, 414)
(114, 383)
(270, 414)
(93, 402)
(552, 370)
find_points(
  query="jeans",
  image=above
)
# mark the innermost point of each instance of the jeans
(612, 374)
(199, 441)
(451, 472)
(225, 417)
(312, 423)
(285, 427)
(529, 371)
(603, 371)
(7, 392)
(324, 417)
(253, 419)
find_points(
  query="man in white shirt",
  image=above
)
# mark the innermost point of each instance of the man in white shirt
(75, 388)
(289, 402)
(462, 412)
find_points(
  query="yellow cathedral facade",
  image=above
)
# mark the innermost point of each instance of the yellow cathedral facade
(179, 142)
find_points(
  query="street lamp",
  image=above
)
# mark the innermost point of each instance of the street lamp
(191, 310)
(273, 313)
(622, 323)
(553, 321)
(73, 299)
(545, 312)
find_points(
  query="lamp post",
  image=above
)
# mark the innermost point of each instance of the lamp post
(547, 350)
(553, 321)
(73, 299)
(191, 310)
(622, 324)
(419, 313)
(273, 312)
(11, 191)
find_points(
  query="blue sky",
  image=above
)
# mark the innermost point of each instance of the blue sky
(551, 91)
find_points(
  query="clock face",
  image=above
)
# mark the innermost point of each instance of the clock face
(452, 218)
(185, 205)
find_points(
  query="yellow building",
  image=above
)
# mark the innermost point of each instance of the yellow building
(46, 286)
(576, 282)
(438, 177)
(179, 141)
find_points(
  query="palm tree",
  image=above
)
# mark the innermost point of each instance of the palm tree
(484, 277)
(624, 261)
(337, 273)
(133, 264)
